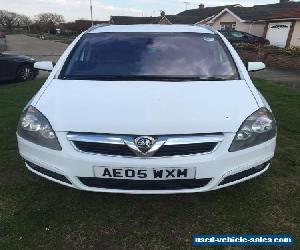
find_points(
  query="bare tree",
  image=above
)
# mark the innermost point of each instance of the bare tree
(8, 19)
(24, 21)
(49, 20)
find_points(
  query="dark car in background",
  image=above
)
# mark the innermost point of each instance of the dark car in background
(234, 37)
(16, 67)
(2, 35)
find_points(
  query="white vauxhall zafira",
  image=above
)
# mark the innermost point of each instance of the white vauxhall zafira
(148, 109)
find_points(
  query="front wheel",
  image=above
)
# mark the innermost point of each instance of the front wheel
(24, 73)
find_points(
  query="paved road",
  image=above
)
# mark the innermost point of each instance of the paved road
(35, 47)
(41, 50)
(285, 77)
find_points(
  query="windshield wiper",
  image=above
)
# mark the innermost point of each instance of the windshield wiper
(215, 78)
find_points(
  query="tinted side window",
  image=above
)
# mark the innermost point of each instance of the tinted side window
(237, 34)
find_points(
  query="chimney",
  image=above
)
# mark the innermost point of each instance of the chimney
(201, 6)
(284, 1)
(162, 13)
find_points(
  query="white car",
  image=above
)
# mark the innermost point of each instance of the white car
(148, 109)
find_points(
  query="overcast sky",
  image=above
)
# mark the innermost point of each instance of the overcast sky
(103, 9)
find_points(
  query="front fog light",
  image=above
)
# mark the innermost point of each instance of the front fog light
(257, 128)
(34, 127)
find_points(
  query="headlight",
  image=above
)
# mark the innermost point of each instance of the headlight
(257, 128)
(34, 126)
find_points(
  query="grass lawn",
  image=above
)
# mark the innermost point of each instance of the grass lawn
(37, 214)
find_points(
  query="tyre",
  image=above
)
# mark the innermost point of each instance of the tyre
(24, 73)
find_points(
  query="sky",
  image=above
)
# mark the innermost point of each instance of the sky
(103, 9)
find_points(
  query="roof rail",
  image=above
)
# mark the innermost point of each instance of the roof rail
(97, 26)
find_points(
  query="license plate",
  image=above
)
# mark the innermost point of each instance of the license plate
(145, 173)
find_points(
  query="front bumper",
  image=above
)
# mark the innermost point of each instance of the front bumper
(215, 170)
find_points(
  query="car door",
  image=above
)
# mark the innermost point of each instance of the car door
(2, 65)
(6, 66)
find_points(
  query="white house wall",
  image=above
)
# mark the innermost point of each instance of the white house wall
(295, 41)
(255, 29)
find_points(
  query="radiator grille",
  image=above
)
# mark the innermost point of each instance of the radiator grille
(144, 185)
(161, 146)
(164, 151)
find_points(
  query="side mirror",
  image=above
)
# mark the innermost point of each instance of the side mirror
(255, 66)
(44, 65)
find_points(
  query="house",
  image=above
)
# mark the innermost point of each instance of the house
(279, 23)
(78, 26)
(203, 14)
(245, 19)
(283, 29)
(182, 19)
(128, 20)
(162, 19)
(194, 16)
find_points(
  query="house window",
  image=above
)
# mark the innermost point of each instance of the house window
(228, 25)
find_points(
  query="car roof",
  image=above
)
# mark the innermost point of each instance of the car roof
(152, 28)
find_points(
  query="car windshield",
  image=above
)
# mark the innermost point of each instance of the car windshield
(150, 56)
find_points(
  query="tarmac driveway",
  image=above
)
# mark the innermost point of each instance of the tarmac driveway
(284, 77)
(41, 50)
(35, 47)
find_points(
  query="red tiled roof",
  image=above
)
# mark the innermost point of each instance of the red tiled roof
(295, 13)
(255, 13)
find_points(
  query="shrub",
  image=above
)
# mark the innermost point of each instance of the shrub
(270, 47)
(292, 51)
(247, 46)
